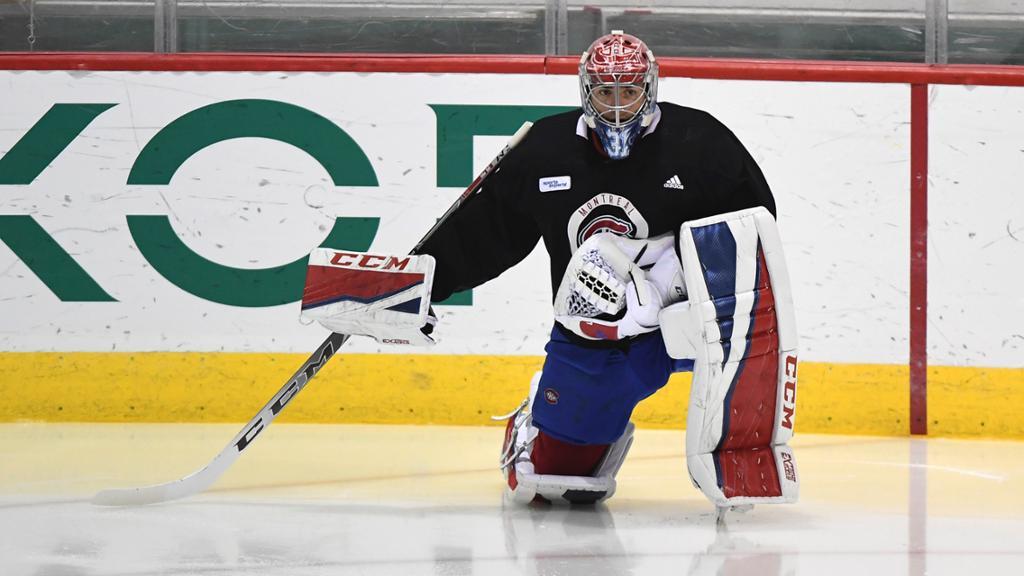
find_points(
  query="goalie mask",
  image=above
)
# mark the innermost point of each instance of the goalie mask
(618, 89)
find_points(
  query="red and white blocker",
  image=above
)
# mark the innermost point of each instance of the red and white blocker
(386, 297)
(739, 325)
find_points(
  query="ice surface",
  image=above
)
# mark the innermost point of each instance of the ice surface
(370, 500)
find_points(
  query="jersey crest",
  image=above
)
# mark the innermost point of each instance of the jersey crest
(605, 213)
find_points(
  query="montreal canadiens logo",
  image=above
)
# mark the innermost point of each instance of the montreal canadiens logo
(605, 213)
(607, 224)
(550, 396)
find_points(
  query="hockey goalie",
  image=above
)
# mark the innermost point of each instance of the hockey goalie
(665, 257)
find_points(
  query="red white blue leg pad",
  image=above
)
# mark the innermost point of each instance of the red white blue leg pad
(739, 325)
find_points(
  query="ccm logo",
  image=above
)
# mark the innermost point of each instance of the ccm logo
(349, 259)
(787, 466)
(789, 393)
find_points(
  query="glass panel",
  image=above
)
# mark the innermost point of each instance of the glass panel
(433, 26)
(76, 25)
(986, 32)
(794, 29)
(980, 31)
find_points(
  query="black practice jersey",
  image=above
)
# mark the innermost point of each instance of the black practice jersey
(557, 186)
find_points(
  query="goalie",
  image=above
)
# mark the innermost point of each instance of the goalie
(664, 258)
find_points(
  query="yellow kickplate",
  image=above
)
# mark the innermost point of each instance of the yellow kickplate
(460, 390)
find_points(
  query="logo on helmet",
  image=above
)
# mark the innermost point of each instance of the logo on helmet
(618, 60)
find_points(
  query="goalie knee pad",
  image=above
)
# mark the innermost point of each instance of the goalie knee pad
(740, 326)
(536, 464)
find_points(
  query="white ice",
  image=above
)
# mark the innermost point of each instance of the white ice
(368, 500)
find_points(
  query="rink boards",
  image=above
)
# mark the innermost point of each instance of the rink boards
(154, 226)
(459, 390)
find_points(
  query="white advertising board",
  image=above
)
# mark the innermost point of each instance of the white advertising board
(127, 193)
(976, 227)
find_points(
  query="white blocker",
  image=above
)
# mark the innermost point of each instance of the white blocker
(382, 296)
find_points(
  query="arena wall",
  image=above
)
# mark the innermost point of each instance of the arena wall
(156, 212)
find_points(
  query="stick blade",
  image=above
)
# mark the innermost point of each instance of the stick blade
(143, 495)
(173, 490)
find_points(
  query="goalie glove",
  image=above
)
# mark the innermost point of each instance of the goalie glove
(605, 293)
(384, 297)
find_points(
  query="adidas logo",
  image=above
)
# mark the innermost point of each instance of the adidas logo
(674, 182)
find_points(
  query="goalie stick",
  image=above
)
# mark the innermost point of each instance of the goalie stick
(206, 476)
(203, 478)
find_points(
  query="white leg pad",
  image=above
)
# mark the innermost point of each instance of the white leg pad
(741, 323)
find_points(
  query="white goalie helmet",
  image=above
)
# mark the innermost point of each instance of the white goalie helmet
(618, 88)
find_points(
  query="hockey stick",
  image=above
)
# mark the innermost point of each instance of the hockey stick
(205, 477)
(202, 479)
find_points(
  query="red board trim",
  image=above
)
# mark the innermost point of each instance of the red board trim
(723, 69)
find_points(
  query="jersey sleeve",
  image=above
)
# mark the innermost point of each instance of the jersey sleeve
(491, 232)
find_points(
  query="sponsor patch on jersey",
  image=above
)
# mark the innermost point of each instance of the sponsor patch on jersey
(555, 183)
